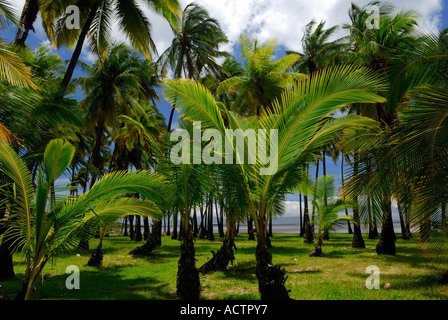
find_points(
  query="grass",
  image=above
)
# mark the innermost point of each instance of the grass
(340, 274)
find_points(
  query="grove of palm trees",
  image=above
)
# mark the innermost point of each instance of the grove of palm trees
(93, 174)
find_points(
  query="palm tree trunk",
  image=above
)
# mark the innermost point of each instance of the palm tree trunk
(168, 222)
(358, 241)
(174, 235)
(125, 232)
(404, 234)
(372, 223)
(188, 282)
(146, 231)
(210, 234)
(225, 255)
(150, 245)
(308, 235)
(386, 245)
(96, 259)
(138, 229)
(350, 231)
(317, 252)
(131, 227)
(271, 278)
(77, 52)
(195, 223)
(27, 19)
(202, 225)
(250, 229)
(315, 188)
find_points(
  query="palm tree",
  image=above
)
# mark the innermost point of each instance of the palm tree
(380, 49)
(234, 205)
(48, 225)
(12, 68)
(115, 86)
(417, 146)
(297, 122)
(96, 18)
(195, 45)
(318, 50)
(264, 79)
(188, 184)
(327, 206)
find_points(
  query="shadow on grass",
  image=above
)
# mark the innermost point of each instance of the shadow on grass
(104, 283)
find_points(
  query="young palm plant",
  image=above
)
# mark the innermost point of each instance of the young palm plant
(187, 182)
(48, 223)
(296, 131)
(327, 208)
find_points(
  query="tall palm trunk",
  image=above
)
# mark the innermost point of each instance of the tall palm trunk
(300, 216)
(77, 52)
(404, 233)
(358, 241)
(210, 234)
(350, 231)
(373, 232)
(308, 235)
(27, 19)
(386, 245)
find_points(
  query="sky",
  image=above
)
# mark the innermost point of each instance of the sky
(263, 19)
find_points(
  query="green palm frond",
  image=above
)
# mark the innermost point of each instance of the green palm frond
(14, 167)
(102, 215)
(298, 119)
(147, 184)
(8, 14)
(13, 69)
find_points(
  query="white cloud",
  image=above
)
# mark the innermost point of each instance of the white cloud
(266, 19)
(284, 19)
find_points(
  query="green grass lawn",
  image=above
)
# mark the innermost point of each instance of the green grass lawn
(340, 274)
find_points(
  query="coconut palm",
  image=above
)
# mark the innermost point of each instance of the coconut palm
(188, 184)
(12, 68)
(264, 79)
(96, 19)
(115, 86)
(383, 50)
(297, 123)
(234, 204)
(318, 50)
(49, 224)
(195, 45)
(421, 149)
(328, 206)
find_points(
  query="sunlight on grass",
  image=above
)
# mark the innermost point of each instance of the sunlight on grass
(340, 273)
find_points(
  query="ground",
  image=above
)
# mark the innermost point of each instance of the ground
(340, 274)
